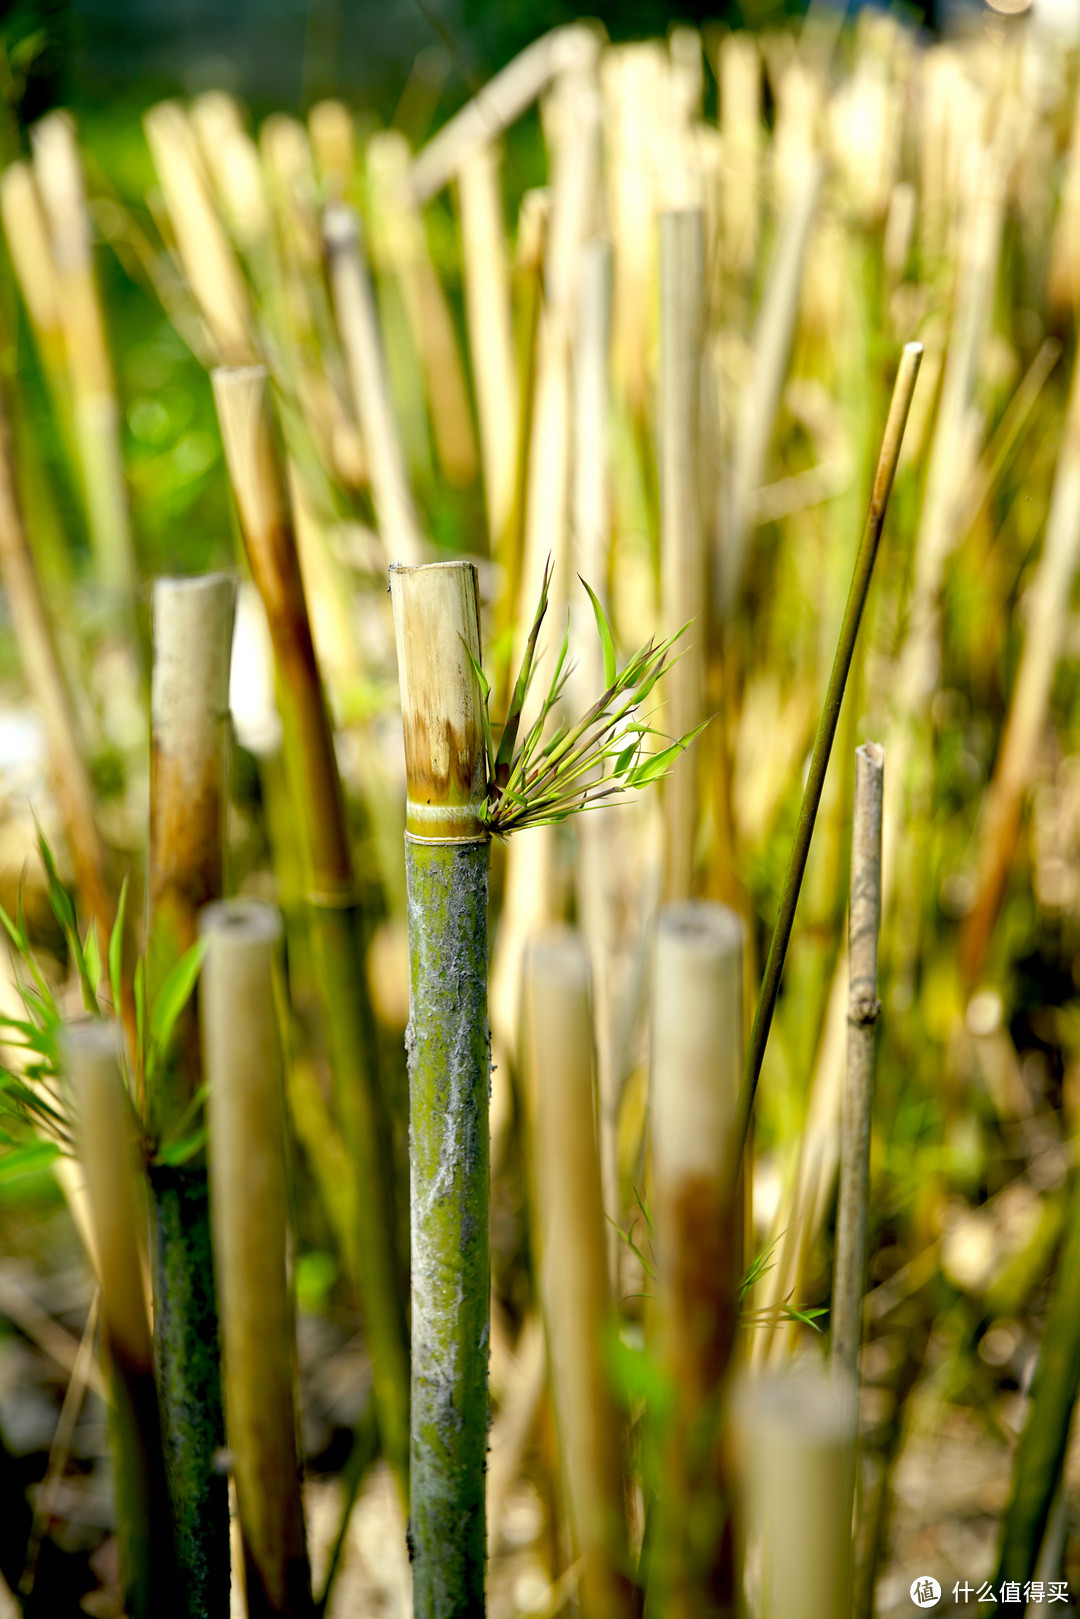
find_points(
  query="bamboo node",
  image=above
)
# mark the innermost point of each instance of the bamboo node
(864, 1009)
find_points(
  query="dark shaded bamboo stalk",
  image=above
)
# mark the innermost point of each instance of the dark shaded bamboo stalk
(436, 625)
(108, 1152)
(849, 1281)
(696, 1054)
(334, 918)
(571, 1250)
(892, 439)
(189, 720)
(250, 1199)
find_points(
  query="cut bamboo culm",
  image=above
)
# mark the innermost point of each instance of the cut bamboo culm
(335, 920)
(795, 1444)
(682, 540)
(849, 1283)
(189, 719)
(250, 1197)
(106, 1137)
(436, 626)
(696, 1061)
(354, 310)
(572, 1256)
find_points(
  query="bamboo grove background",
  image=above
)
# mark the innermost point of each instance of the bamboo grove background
(646, 334)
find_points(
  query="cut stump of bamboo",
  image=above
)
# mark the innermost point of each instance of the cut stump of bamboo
(249, 1201)
(189, 719)
(849, 1284)
(436, 626)
(795, 1446)
(696, 1062)
(573, 1262)
(107, 1142)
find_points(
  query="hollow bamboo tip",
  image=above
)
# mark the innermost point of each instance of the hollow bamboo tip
(697, 1038)
(341, 229)
(871, 755)
(240, 394)
(237, 927)
(436, 627)
(794, 1438)
(108, 1152)
(192, 626)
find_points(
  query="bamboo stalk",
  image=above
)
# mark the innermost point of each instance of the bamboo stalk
(50, 691)
(500, 103)
(684, 578)
(571, 1251)
(335, 921)
(697, 994)
(892, 438)
(796, 1445)
(354, 308)
(27, 235)
(849, 1283)
(486, 275)
(189, 709)
(436, 623)
(59, 179)
(739, 77)
(333, 146)
(1025, 722)
(250, 1198)
(112, 1176)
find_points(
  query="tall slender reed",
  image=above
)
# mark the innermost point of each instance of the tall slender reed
(334, 917)
(573, 1262)
(437, 628)
(106, 1138)
(697, 995)
(682, 538)
(250, 1199)
(849, 1283)
(189, 734)
(796, 1449)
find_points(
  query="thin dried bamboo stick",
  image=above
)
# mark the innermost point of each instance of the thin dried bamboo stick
(249, 1202)
(571, 1251)
(849, 1283)
(354, 307)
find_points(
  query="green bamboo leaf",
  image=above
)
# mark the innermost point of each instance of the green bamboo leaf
(504, 757)
(658, 764)
(63, 906)
(12, 930)
(604, 631)
(180, 1151)
(139, 990)
(92, 957)
(28, 1160)
(116, 948)
(485, 691)
(173, 996)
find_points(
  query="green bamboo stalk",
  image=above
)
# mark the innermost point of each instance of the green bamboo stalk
(192, 630)
(335, 921)
(849, 1283)
(250, 1197)
(892, 439)
(1040, 1453)
(436, 627)
(107, 1147)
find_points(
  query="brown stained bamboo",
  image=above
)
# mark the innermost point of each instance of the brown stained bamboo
(849, 1276)
(354, 308)
(697, 994)
(486, 274)
(189, 730)
(684, 575)
(500, 103)
(405, 253)
(758, 406)
(50, 691)
(795, 1447)
(249, 1203)
(573, 1265)
(108, 1151)
(205, 253)
(334, 919)
(58, 173)
(1025, 723)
